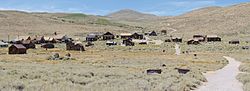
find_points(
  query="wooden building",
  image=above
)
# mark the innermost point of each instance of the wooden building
(128, 42)
(108, 36)
(92, 37)
(200, 38)
(28, 44)
(74, 46)
(213, 38)
(153, 33)
(176, 39)
(137, 36)
(17, 49)
(234, 42)
(125, 35)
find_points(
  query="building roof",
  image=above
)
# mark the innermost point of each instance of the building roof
(212, 35)
(125, 34)
(19, 46)
(2, 43)
(91, 36)
(108, 33)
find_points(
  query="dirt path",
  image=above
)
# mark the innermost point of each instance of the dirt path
(223, 79)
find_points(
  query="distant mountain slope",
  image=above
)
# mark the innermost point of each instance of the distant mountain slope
(131, 15)
(227, 21)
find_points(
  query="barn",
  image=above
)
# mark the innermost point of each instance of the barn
(17, 49)
(108, 36)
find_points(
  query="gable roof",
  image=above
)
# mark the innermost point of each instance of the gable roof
(19, 46)
(108, 33)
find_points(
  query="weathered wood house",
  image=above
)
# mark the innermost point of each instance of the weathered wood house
(153, 33)
(74, 46)
(137, 36)
(213, 38)
(128, 42)
(92, 37)
(17, 49)
(28, 44)
(200, 38)
(108, 36)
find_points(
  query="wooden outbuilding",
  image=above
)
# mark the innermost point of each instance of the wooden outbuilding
(125, 35)
(154, 71)
(200, 38)
(234, 42)
(17, 49)
(128, 42)
(28, 44)
(153, 33)
(92, 37)
(176, 39)
(108, 36)
(213, 38)
(137, 36)
(182, 70)
(74, 46)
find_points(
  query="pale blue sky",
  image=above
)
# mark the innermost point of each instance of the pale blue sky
(104, 7)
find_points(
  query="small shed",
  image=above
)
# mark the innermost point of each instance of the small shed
(92, 37)
(234, 42)
(125, 35)
(213, 38)
(3, 44)
(183, 70)
(48, 45)
(137, 36)
(108, 36)
(17, 49)
(153, 33)
(176, 39)
(128, 42)
(28, 44)
(163, 31)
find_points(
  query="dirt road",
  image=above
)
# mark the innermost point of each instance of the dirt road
(223, 79)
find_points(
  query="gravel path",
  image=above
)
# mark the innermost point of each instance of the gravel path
(223, 79)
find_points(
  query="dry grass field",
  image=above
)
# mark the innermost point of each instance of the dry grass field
(106, 68)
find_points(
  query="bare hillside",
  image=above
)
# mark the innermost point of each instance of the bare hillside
(228, 21)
